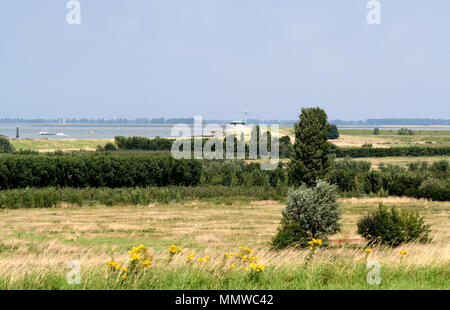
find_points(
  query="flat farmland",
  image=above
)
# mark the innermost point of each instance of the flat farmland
(40, 242)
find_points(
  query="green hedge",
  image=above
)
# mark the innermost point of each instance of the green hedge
(20, 171)
(392, 151)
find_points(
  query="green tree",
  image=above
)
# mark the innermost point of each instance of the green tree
(376, 131)
(310, 154)
(333, 132)
(110, 147)
(5, 145)
(311, 212)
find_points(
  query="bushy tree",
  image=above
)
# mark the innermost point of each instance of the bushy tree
(5, 145)
(110, 147)
(376, 131)
(405, 132)
(333, 132)
(311, 212)
(392, 227)
(285, 147)
(310, 154)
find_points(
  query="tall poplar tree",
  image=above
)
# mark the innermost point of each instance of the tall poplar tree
(310, 154)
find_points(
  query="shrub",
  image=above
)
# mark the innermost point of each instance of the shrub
(311, 212)
(110, 147)
(5, 145)
(432, 188)
(405, 132)
(376, 131)
(441, 166)
(392, 227)
(290, 234)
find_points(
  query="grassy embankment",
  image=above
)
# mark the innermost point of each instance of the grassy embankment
(36, 245)
(50, 145)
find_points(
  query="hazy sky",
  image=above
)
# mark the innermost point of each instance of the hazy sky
(215, 58)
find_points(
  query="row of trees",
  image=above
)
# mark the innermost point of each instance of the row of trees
(20, 171)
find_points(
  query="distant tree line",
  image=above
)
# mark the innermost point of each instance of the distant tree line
(286, 146)
(394, 121)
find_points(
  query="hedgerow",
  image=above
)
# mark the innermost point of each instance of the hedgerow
(101, 170)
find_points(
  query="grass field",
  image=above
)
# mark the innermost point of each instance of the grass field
(49, 145)
(386, 138)
(376, 161)
(36, 245)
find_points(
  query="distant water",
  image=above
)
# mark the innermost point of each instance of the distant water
(108, 131)
(85, 131)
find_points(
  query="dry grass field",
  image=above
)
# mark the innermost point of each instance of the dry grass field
(42, 241)
(51, 145)
(386, 138)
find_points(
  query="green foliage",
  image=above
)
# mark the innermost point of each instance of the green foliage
(311, 212)
(5, 145)
(98, 170)
(49, 197)
(142, 143)
(333, 132)
(405, 132)
(237, 172)
(285, 147)
(310, 155)
(392, 227)
(290, 234)
(376, 131)
(110, 147)
(361, 152)
(441, 166)
(432, 188)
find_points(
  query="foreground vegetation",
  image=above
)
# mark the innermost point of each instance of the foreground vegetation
(37, 244)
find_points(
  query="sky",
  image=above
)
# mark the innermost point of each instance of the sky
(216, 58)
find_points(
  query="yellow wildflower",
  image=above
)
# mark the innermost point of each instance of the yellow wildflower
(147, 263)
(135, 257)
(190, 256)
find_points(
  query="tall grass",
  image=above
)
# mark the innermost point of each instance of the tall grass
(53, 197)
(325, 275)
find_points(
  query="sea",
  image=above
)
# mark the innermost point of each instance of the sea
(108, 131)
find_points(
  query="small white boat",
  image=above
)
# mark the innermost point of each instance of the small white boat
(46, 133)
